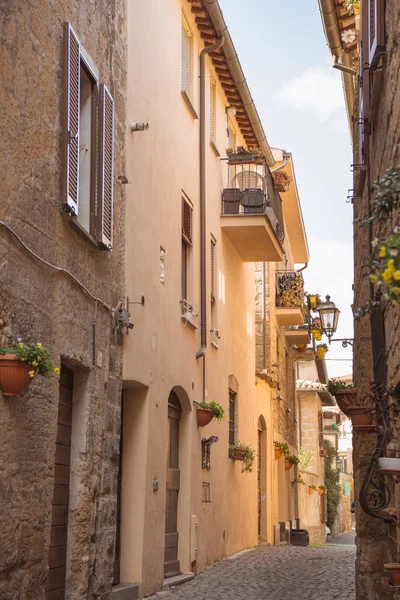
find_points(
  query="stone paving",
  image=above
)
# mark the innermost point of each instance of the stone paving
(274, 573)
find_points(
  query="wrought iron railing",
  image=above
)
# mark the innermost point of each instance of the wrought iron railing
(236, 201)
(290, 289)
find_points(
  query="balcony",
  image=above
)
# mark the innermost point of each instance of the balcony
(253, 221)
(289, 298)
(297, 336)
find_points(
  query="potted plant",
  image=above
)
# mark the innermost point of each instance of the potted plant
(393, 569)
(240, 155)
(345, 394)
(389, 466)
(385, 267)
(322, 452)
(245, 453)
(302, 348)
(362, 418)
(20, 363)
(321, 489)
(312, 489)
(281, 449)
(322, 349)
(316, 331)
(313, 301)
(300, 482)
(207, 411)
(281, 181)
(290, 461)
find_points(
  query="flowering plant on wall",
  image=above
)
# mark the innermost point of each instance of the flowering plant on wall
(290, 290)
(35, 355)
(348, 36)
(352, 7)
(385, 266)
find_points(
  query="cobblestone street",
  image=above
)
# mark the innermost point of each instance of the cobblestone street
(269, 573)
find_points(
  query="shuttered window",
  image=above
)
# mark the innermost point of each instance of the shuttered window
(186, 58)
(376, 30)
(88, 145)
(187, 221)
(213, 267)
(213, 93)
(232, 417)
(106, 169)
(187, 227)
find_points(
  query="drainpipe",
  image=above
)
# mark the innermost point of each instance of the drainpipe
(283, 165)
(203, 271)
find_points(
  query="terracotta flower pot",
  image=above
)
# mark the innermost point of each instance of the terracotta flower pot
(278, 453)
(393, 573)
(320, 492)
(238, 454)
(299, 485)
(310, 491)
(14, 375)
(288, 465)
(361, 418)
(321, 352)
(322, 452)
(204, 416)
(346, 398)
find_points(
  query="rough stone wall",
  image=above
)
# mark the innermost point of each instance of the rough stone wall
(343, 521)
(372, 536)
(309, 423)
(41, 305)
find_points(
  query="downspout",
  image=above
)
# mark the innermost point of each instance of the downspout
(283, 165)
(203, 271)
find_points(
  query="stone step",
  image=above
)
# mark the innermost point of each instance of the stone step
(125, 591)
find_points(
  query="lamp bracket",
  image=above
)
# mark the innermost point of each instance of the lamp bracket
(345, 341)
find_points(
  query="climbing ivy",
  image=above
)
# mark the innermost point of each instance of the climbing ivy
(332, 478)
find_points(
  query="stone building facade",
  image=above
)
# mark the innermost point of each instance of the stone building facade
(372, 103)
(59, 286)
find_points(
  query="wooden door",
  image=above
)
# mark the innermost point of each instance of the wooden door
(171, 562)
(117, 554)
(259, 432)
(59, 518)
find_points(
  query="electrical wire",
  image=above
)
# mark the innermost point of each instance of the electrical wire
(60, 270)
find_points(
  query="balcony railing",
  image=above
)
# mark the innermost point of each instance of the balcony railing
(290, 289)
(254, 201)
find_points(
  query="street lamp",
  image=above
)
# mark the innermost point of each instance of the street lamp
(329, 316)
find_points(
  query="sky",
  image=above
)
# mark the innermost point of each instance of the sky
(299, 97)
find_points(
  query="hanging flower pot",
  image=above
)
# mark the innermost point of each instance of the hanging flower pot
(288, 465)
(278, 453)
(321, 489)
(393, 573)
(310, 490)
(323, 452)
(204, 416)
(361, 418)
(346, 398)
(389, 466)
(14, 375)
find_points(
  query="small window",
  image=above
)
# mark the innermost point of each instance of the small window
(232, 417)
(205, 455)
(186, 58)
(213, 266)
(187, 226)
(206, 492)
(212, 110)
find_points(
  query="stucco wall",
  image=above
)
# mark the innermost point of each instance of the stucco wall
(41, 305)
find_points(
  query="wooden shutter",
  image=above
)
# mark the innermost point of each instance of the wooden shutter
(213, 268)
(376, 30)
(71, 108)
(106, 170)
(187, 221)
(186, 57)
(232, 417)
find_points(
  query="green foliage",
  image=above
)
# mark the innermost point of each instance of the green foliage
(322, 487)
(332, 479)
(284, 448)
(34, 354)
(218, 409)
(305, 457)
(249, 455)
(292, 459)
(300, 480)
(313, 487)
(334, 385)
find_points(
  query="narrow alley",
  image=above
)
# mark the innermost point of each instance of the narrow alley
(275, 573)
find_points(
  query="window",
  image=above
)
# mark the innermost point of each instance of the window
(206, 492)
(186, 58)
(187, 226)
(232, 417)
(375, 16)
(205, 455)
(88, 145)
(212, 110)
(213, 266)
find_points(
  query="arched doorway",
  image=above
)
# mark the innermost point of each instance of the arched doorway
(171, 562)
(261, 479)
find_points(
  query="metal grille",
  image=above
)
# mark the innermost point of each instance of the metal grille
(106, 166)
(206, 492)
(187, 221)
(72, 94)
(205, 455)
(213, 268)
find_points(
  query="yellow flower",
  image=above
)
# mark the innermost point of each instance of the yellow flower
(56, 370)
(390, 265)
(396, 289)
(387, 276)
(39, 346)
(32, 373)
(373, 278)
(396, 275)
(382, 251)
(35, 363)
(20, 345)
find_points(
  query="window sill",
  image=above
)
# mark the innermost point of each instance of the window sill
(189, 322)
(189, 104)
(214, 149)
(74, 222)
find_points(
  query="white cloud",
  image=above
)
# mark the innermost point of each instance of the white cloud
(317, 90)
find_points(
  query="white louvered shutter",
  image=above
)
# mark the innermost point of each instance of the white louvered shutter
(376, 34)
(105, 205)
(213, 268)
(71, 108)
